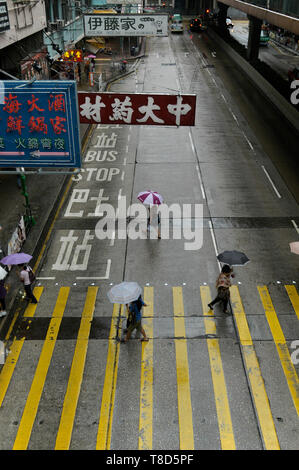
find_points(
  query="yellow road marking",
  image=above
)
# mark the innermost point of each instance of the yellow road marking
(146, 387)
(182, 367)
(220, 392)
(108, 395)
(294, 298)
(257, 386)
(281, 346)
(64, 434)
(15, 350)
(30, 410)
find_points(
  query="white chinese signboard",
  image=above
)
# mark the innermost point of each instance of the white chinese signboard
(126, 25)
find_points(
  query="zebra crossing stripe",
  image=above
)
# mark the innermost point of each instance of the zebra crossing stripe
(15, 350)
(281, 346)
(182, 367)
(146, 386)
(107, 404)
(257, 386)
(294, 298)
(220, 391)
(30, 410)
(64, 434)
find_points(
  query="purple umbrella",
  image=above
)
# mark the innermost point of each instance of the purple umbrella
(16, 258)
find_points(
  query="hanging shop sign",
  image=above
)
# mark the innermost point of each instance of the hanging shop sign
(4, 17)
(137, 108)
(39, 125)
(73, 55)
(126, 25)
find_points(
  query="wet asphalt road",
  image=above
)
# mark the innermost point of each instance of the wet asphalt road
(205, 380)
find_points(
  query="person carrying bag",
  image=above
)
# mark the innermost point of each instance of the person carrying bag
(223, 284)
(27, 276)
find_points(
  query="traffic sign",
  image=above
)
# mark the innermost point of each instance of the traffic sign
(39, 124)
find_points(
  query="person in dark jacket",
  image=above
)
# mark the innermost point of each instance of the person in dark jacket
(134, 310)
(2, 298)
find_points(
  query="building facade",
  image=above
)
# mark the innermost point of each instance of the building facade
(21, 38)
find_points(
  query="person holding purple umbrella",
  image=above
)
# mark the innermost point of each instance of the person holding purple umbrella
(26, 277)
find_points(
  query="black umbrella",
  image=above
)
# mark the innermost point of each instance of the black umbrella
(233, 258)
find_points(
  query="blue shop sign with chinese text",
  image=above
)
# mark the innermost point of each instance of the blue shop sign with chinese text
(39, 124)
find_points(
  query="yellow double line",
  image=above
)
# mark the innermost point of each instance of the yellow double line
(64, 434)
(182, 368)
(260, 398)
(220, 392)
(30, 410)
(280, 343)
(15, 350)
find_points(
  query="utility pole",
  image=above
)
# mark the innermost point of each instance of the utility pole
(28, 217)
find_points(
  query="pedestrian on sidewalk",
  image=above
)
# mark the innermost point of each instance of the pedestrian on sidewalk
(3, 293)
(27, 277)
(134, 311)
(223, 284)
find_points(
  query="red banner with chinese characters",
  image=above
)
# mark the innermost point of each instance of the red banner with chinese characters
(137, 109)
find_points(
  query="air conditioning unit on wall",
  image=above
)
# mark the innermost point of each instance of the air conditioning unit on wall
(52, 25)
(60, 23)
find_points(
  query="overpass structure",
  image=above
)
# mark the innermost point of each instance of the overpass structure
(259, 11)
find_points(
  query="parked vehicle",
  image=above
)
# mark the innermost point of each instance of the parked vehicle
(229, 23)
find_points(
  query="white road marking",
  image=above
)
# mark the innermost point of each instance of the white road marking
(248, 141)
(271, 182)
(295, 225)
(46, 278)
(197, 167)
(99, 278)
(214, 243)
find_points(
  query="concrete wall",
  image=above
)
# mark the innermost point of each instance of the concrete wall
(24, 22)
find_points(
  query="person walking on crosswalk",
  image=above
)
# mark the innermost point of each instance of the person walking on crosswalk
(223, 284)
(134, 311)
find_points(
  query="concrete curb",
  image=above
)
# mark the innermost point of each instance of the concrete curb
(287, 111)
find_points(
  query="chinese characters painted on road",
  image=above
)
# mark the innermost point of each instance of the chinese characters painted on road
(39, 125)
(126, 108)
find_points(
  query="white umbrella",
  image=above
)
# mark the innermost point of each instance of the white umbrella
(3, 273)
(124, 293)
(294, 247)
